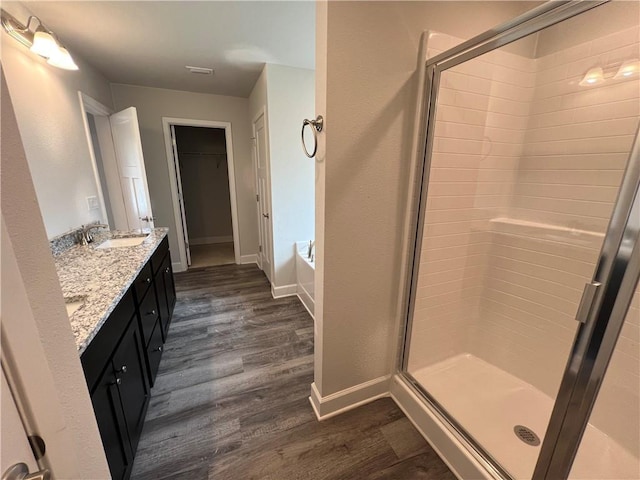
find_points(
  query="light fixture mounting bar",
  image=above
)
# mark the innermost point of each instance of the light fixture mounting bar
(17, 30)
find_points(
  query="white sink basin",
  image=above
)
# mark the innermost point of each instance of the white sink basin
(122, 242)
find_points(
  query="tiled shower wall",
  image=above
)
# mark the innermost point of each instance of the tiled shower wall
(525, 171)
(482, 115)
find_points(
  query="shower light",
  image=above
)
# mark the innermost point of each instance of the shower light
(594, 76)
(628, 69)
(39, 40)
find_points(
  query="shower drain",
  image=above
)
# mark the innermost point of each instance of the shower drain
(527, 435)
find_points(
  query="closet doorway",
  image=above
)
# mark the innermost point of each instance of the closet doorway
(201, 162)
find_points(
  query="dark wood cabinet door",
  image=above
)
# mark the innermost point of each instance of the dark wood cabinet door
(163, 306)
(154, 352)
(112, 425)
(170, 290)
(129, 366)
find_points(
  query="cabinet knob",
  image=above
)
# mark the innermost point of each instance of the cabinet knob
(159, 349)
(152, 312)
(147, 280)
(123, 369)
(118, 381)
(166, 270)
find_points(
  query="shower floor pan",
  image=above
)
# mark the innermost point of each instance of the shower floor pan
(489, 403)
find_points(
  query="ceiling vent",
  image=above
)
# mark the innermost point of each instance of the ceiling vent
(200, 70)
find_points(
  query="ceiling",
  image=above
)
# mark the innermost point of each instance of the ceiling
(149, 43)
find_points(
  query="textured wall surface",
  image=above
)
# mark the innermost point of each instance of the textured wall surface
(155, 103)
(290, 93)
(371, 54)
(51, 124)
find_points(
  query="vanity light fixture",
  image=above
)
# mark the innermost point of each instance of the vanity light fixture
(594, 76)
(40, 40)
(628, 69)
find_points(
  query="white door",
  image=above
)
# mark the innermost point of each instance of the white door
(265, 251)
(14, 446)
(183, 215)
(133, 178)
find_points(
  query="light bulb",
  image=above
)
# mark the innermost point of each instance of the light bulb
(44, 44)
(628, 69)
(62, 59)
(594, 76)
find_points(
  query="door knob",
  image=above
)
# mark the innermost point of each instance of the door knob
(20, 471)
(265, 215)
(147, 219)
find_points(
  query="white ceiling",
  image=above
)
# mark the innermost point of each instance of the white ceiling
(150, 42)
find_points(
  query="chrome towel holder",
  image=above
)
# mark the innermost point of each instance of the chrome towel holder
(316, 125)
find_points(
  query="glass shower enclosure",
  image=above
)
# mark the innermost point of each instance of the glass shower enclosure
(523, 326)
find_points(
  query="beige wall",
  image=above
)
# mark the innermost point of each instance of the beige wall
(289, 96)
(155, 103)
(51, 125)
(370, 100)
(290, 93)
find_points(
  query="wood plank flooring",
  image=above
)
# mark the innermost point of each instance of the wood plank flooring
(231, 397)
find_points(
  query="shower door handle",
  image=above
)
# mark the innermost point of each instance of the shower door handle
(588, 295)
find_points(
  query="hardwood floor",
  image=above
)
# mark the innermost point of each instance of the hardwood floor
(231, 397)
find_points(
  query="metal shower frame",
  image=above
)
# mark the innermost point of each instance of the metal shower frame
(606, 298)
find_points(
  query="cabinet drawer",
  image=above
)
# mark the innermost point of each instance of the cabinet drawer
(98, 352)
(142, 283)
(154, 352)
(159, 254)
(148, 314)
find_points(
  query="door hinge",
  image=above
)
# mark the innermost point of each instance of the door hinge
(260, 248)
(257, 197)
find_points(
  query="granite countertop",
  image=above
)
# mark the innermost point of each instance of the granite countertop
(101, 277)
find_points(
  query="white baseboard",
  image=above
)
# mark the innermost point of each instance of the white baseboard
(177, 267)
(210, 240)
(244, 259)
(349, 398)
(449, 448)
(284, 291)
(306, 300)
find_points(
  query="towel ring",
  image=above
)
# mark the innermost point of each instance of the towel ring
(316, 125)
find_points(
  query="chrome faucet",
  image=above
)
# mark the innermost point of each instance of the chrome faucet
(84, 233)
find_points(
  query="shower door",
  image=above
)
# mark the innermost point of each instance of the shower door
(525, 257)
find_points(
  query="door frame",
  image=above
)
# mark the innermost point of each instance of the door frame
(262, 111)
(595, 337)
(93, 107)
(174, 166)
(102, 114)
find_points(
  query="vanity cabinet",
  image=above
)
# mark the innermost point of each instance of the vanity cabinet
(115, 370)
(121, 362)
